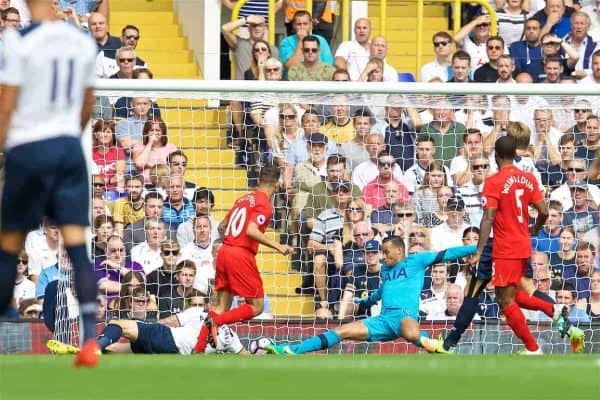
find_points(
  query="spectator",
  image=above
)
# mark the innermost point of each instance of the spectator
(29, 309)
(568, 295)
(130, 209)
(553, 69)
(99, 27)
(373, 192)
(425, 198)
(594, 172)
(261, 52)
(472, 38)
(399, 135)
(177, 208)
(134, 234)
(368, 170)
(104, 227)
(545, 140)
(322, 195)
(430, 219)
(291, 46)
(506, 69)
(588, 148)
(488, 72)
(154, 148)
(121, 305)
(43, 255)
(107, 61)
(582, 109)
(425, 149)
(357, 213)
(511, 20)
(555, 175)
(360, 233)
(459, 272)
(130, 130)
(81, 7)
(460, 67)
(125, 59)
(325, 242)
(200, 252)
(547, 240)
(178, 161)
(122, 106)
(542, 281)
(373, 72)
(583, 216)
(311, 69)
(98, 208)
(454, 299)
(204, 202)
(450, 232)
(580, 39)
(445, 132)
(323, 12)
(459, 166)
(353, 55)
(340, 127)
(24, 288)
(475, 114)
(139, 306)
(171, 298)
(363, 281)
(528, 49)
(470, 192)
(438, 68)
(383, 218)
(354, 150)
(564, 258)
(579, 275)
(147, 253)
(555, 18)
(109, 158)
(11, 18)
(379, 51)
(433, 298)
(594, 76)
(552, 45)
(592, 11)
(109, 271)
(165, 275)
(592, 303)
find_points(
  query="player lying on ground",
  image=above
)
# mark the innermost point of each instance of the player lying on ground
(175, 334)
(400, 290)
(236, 272)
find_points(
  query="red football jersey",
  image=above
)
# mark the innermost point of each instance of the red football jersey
(253, 207)
(510, 191)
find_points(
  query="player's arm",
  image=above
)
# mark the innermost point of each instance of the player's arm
(222, 226)
(450, 254)
(88, 105)
(254, 233)
(8, 102)
(372, 299)
(542, 210)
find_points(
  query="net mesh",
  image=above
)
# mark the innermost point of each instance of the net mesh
(227, 137)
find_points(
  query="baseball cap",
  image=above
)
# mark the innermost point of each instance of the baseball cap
(578, 184)
(317, 138)
(372, 245)
(341, 184)
(455, 204)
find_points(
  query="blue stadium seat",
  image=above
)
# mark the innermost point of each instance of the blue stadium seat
(406, 77)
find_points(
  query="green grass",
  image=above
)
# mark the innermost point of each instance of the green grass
(313, 377)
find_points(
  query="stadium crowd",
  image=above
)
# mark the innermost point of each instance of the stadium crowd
(352, 174)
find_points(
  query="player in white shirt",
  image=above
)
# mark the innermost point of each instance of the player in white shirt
(47, 74)
(176, 334)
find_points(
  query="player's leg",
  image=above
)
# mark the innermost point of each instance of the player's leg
(505, 296)
(115, 330)
(11, 244)
(467, 311)
(409, 330)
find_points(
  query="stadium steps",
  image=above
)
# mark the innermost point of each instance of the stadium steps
(401, 32)
(162, 44)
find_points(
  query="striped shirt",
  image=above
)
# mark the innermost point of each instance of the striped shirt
(255, 7)
(328, 226)
(510, 26)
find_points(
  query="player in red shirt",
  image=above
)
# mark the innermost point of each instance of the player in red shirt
(506, 196)
(236, 270)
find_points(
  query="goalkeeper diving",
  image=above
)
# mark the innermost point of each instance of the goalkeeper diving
(176, 334)
(401, 284)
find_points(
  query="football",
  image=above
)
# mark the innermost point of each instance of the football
(257, 346)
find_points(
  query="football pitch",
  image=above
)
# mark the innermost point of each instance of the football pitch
(312, 377)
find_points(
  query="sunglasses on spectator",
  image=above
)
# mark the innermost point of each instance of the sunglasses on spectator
(477, 167)
(179, 164)
(132, 37)
(485, 24)
(439, 44)
(581, 110)
(99, 184)
(364, 234)
(494, 47)
(129, 60)
(170, 252)
(272, 69)
(404, 215)
(21, 261)
(260, 49)
(310, 50)
(383, 163)
(355, 209)
(287, 116)
(575, 170)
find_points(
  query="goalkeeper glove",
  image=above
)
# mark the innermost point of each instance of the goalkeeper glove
(362, 300)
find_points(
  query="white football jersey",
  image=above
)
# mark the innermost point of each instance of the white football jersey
(52, 64)
(191, 321)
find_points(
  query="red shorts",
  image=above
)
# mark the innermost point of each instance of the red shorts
(236, 272)
(508, 271)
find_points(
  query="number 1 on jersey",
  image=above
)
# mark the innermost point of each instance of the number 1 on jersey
(237, 220)
(55, 81)
(518, 195)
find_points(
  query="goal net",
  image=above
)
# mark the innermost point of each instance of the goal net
(411, 159)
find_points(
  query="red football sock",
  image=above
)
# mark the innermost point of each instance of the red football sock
(241, 313)
(524, 300)
(202, 340)
(516, 320)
